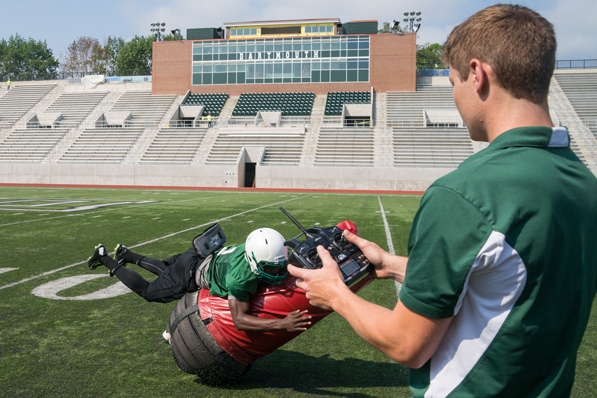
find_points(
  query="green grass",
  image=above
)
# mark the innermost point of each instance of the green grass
(112, 347)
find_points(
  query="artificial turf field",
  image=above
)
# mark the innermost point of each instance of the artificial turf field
(67, 340)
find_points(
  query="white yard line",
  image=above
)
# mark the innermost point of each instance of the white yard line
(387, 228)
(389, 240)
(150, 241)
(102, 210)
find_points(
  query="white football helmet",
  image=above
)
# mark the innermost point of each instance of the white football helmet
(266, 254)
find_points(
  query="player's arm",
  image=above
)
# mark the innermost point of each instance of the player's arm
(401, 334)
(293, 322)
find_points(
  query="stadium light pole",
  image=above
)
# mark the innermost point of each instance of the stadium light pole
(157, 28)
(410, 17)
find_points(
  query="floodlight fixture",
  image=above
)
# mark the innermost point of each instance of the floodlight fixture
(157, 30)
(411, 18)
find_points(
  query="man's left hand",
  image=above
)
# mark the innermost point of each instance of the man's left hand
(322, 286)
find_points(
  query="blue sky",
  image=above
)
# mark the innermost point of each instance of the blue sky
(60, 22)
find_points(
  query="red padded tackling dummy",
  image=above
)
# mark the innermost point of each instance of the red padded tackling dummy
(271, 301)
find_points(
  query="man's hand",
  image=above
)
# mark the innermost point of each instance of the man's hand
(295, 321)
(386, 265)
(324, 285)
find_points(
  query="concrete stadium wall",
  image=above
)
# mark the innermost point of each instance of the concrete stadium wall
(223, 176)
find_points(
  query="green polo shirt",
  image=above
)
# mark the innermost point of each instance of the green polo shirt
(506, 245)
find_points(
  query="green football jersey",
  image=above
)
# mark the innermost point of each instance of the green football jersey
(229, 274)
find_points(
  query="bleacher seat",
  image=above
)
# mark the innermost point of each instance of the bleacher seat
(20, 99)
(174, 146)
(345, 147)
(279, 148)
(581, 91)
(289, 104)
(213, 103)
(336, 100)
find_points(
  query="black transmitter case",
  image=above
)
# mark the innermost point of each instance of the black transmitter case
(209, 240)
(353, 264)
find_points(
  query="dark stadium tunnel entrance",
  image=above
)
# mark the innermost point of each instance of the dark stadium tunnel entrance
(250, 173)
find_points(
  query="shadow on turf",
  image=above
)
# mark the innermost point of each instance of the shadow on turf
(315, 375)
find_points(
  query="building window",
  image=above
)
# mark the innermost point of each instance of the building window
(282, 60)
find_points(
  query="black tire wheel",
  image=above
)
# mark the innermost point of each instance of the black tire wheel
(195, 351)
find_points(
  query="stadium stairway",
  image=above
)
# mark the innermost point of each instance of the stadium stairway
(580, 88)
(174, 145)
(211, 134)
(47, 100)
(16, 105)
(317, 114)
(384, 156)
(582, 141)
(89, 122)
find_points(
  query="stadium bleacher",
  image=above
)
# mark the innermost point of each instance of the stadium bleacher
(285, 148)
(19, 100)
(73, 107)
(581, 90)
(213, 103)
(345, 147)
(145, 109)
(336, 100)
(29, 145)
(174, 146)
(101, 146)
(431, 147)
(289, 104)
(419, 129)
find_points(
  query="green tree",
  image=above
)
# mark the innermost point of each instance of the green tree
(387, 28)
(134, 56)
(110, 52)
(84, 56)
(22, 59)
(429, 56)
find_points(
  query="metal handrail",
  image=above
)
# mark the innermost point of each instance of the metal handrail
(576, 64)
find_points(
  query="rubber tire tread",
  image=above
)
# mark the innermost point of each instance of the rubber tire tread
(195, 351)
(185, 363)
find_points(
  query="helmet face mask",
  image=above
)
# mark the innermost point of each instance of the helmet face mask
(273, 273)
(266, 254)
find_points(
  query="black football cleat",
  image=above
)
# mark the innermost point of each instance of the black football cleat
(120, 250)
(94, 261)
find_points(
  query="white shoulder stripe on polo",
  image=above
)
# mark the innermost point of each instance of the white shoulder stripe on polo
(559, 138)
(491, 289)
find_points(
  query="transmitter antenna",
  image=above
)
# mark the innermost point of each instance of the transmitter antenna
(298, 224)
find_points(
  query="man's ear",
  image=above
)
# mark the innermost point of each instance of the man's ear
(479, 72)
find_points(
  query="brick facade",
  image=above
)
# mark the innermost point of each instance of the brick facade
(392, 68)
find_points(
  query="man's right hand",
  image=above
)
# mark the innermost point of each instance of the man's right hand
(386, 265)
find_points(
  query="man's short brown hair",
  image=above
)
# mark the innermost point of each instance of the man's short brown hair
(516, 41)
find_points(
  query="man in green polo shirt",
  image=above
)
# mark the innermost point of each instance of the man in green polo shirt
(502, 266)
